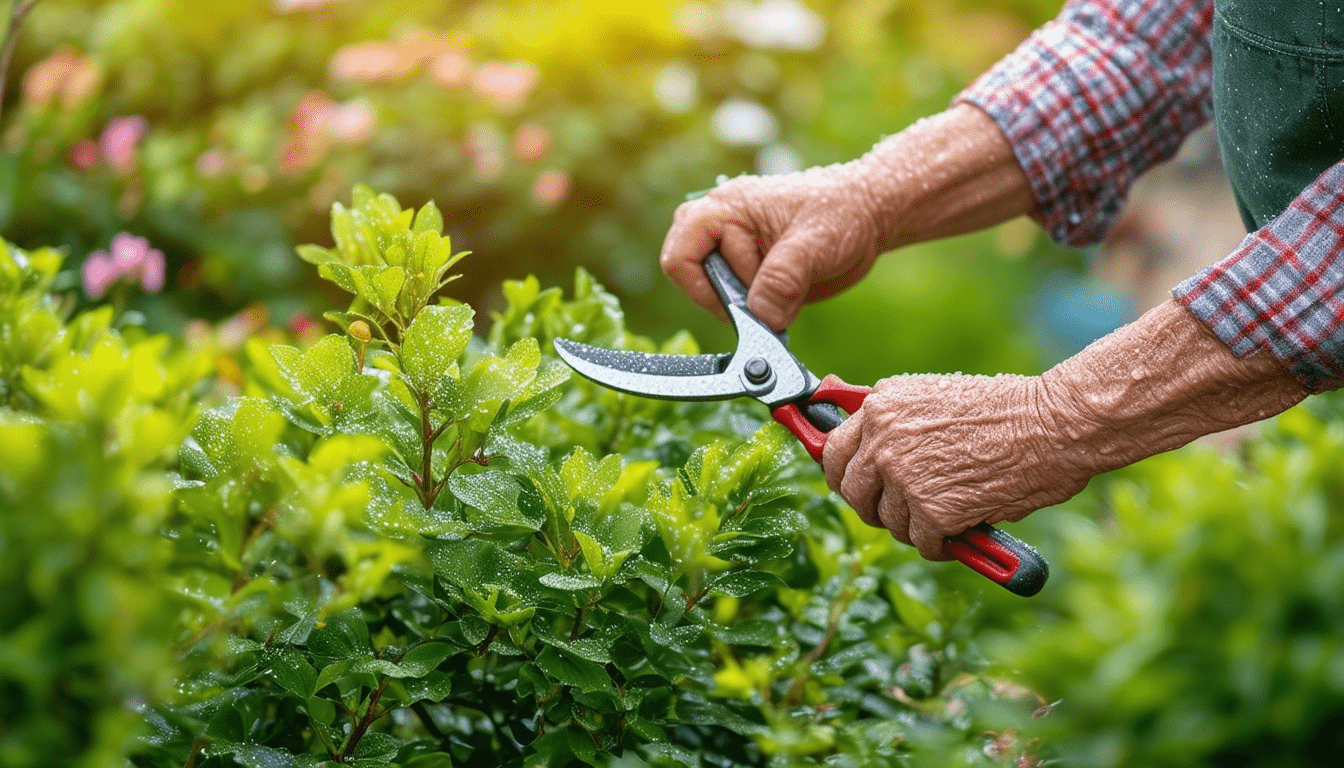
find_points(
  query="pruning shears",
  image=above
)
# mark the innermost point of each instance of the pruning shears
(762, 367)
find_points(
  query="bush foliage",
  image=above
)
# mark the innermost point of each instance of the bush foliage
(417, 541)
(408, 545)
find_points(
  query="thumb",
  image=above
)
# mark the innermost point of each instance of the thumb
(781, 283)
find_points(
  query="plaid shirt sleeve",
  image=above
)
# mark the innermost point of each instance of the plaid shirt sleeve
(1282, 289)
(1097, 96)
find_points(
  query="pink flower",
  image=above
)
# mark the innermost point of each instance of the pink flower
(506, 84)
(212, 163)
(98, 274)
(312, 113)
(289, 6)
(352, 122)
(531, 143)
(84, 155)
(370, 62)
(451, 70)
(130, 257)
(551, 187)
(68, 74)
(120, 140)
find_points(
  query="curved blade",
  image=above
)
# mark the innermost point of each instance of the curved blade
(669, 377)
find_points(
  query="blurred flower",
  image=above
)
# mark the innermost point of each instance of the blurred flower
(777, 159)
(212, 163)
(451, 70)
(120, 139)
(84, 155)
(289, 6)
(129, 257)
(352, 122)
(68, 74)
(234, 332)
(531, 142)
(484, 145)
(302, 325)
(744, 123)
(785, 25)
(370, 62)
(506, 84)
(676, 88)
(424, 45)
(319, 120)
(311, 113)
(551, 187)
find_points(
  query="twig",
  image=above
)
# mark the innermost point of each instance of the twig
(17, 12)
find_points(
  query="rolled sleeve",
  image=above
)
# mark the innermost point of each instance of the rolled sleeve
(1096, 97)
(1282, 289)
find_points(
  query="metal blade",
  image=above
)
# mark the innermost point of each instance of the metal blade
(668, 377)
(648, 362)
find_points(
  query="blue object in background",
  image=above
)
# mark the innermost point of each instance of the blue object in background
(1071, 311)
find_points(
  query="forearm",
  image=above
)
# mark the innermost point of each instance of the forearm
(948, 174)
(1155, 385)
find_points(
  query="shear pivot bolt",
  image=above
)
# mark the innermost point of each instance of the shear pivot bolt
(757, 370)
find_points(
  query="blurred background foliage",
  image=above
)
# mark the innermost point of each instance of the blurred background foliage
(1193, 613)
(552, 135)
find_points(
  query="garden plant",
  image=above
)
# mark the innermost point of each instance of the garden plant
(340, 504)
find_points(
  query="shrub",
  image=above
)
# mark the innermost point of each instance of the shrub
(1195, 615)
(408, 545)
(90, 418)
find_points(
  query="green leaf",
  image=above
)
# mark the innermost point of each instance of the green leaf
(428, 220)
(743, 583)
(293, 673)
(314, 254)
(433, 686)
(377, 746)
(570, 582)
(435, 760)
(495, 495)
(572, 670)
(432, 344)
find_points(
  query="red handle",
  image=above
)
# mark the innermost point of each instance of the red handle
(1001, 557)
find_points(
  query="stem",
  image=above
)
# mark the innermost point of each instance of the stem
(578, 625)
(17, 12)
(838, 609)
(367, 720)
(427, 435)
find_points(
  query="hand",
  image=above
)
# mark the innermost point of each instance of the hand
(808, 235)
(929, 456)
(791, 238)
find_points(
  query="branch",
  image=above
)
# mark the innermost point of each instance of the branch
(18, 12)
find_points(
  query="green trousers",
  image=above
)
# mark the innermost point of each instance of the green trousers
(1278, 97)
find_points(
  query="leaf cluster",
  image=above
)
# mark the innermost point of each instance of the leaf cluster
(438, 550)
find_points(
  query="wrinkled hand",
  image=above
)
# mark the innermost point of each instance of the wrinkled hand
(929, 456)
(792, 238)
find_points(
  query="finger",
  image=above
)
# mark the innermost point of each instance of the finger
(893, 513)
(782, 282)
(862, 488)
(929, 542)
(839, 449)
(741, 249)
(697, 227)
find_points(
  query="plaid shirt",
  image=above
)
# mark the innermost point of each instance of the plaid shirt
(1109, 89)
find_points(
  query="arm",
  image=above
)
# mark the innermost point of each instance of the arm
(930, 456)
(1096, 97)
(1058, 129)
